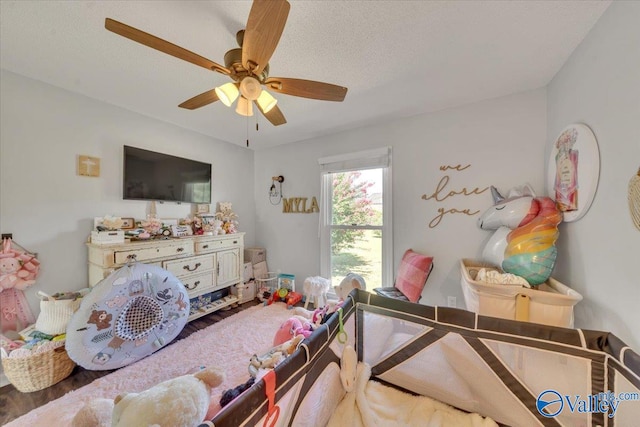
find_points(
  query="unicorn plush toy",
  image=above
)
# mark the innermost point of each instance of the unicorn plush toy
(526, 231)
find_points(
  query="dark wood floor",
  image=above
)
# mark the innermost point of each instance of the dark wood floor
(14, 403)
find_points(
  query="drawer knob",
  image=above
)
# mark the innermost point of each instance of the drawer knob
(179, 249)
(205, 246)
(235, 242)
(132, 257)
(186, 267)
(195, 285)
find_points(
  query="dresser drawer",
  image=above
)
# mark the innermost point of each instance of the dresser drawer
(143, 254)
(188, 266)
(214, 245)
(198, 284)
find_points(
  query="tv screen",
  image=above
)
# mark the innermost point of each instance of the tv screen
(148, 175)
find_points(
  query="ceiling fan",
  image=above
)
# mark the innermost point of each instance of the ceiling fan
(247, 66)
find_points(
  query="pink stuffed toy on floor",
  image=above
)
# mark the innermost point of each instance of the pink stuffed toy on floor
(296, 325)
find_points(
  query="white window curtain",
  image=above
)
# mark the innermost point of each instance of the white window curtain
(369, 159)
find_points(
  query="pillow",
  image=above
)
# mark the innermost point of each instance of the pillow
(413, 274)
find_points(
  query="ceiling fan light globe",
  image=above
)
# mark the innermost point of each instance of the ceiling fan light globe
(244, 107)
(250, 88)
(266, 101)
(227, 93)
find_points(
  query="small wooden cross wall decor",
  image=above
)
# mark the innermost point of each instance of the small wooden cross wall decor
(299, 205)
(88, 166)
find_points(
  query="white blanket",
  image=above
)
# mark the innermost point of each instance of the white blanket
(369, 403)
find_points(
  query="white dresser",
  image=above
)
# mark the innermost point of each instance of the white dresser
(204, 264)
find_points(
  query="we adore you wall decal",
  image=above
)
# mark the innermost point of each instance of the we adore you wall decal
(441, 193)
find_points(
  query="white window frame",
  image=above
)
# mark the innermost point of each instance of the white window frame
(369, 159)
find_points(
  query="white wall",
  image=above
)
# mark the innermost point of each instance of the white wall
(50, 210)
(599, 254)
(503, 140)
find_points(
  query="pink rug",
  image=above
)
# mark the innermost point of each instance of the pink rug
(228, 344)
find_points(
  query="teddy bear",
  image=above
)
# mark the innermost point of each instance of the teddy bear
(217, 229)
(12, 275)
(180, 401)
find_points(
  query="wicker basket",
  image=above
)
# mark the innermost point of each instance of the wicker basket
(38, 371)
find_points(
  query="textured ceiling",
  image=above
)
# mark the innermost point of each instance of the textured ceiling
(398, 58)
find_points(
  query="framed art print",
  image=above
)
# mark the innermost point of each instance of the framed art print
(128, 223)
(573, 171)
(202, 209)
(88, 166)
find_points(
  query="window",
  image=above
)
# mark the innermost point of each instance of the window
(356, 231)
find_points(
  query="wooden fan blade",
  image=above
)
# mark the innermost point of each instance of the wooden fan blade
(157, 43)
(265, 24)
(274, 115)
(307, 88)
(205, 98)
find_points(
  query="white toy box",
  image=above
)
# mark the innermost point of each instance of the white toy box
(107, 237)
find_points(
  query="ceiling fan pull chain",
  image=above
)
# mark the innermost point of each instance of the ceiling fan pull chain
(247, 131)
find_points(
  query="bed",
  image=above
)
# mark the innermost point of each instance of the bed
(516, 373)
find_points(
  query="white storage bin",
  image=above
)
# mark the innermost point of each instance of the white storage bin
(550, 303)
(107, 237)
(255, 255)
(247, 272)
(248, 291)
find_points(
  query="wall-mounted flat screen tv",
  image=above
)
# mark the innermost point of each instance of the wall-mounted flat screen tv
(148, 175)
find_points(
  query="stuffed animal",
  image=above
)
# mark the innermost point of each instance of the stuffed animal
(12, 275)
(350, 282)
(95, 413)
(269, 360)
(229, 395)
(320, 315)
(216, 227)
(296, 325)
(181, 401)
(18, 269)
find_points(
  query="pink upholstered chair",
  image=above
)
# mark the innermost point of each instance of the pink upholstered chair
(411, 279)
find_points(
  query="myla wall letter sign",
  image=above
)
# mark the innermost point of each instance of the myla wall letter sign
(299, 205)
